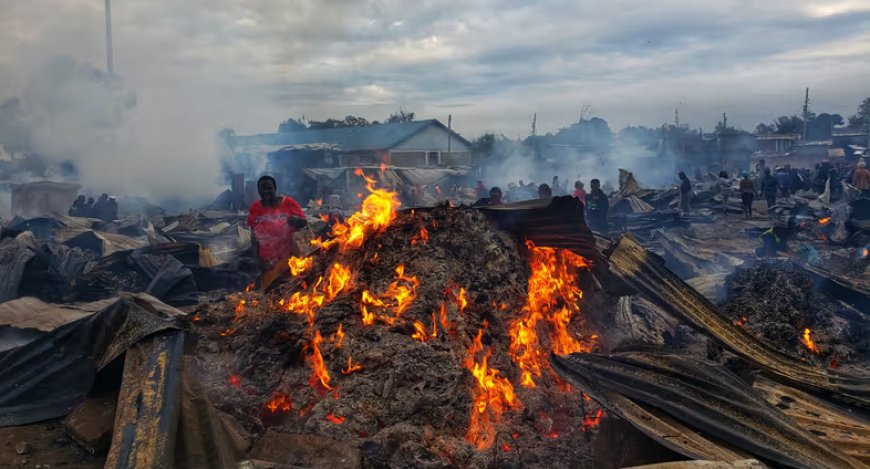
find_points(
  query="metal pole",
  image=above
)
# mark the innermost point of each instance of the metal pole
(110, 67)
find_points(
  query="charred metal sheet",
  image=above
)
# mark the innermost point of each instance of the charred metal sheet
(558, 222)
(146, 419)
(837, 285)
(744, 464)
(846, 430)
(46, 377)
(646, 273)
(708, 398)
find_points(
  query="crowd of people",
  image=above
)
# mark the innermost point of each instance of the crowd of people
(104, 208)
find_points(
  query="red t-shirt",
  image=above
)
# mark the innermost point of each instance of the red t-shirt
(271, 229)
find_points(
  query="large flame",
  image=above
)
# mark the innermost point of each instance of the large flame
(554, 299)
(492, 395)
(377, 212)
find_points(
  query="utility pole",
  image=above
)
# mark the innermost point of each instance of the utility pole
(535, 125)
(806, 112)
(449, 132)
(677, 116)
(724, 122)
(110, 66)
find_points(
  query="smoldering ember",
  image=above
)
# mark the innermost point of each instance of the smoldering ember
(413, 292)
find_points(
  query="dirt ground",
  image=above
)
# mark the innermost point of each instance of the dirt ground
(49, 448)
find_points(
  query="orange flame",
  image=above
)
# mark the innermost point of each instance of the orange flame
(339, 278)
(808, 342)
(742, 322)
(298, 265)
(446, 325)
(437, 189)
(553, 298)
(592, 420)
(279, 401)
(462, 300)
(398, 295)
(424, 235)
(865, 252)
(338, 338)
(420, 332)
(318, 368)
(377, 212)
(824, 221)
(492, 396)
(351, 366)
(335, 419)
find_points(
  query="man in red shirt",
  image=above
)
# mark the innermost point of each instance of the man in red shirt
(273, 220)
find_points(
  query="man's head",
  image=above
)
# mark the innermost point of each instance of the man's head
(90, 200)
(104, 196)
(862, 164)
(578, 185)
(767, 171)
(268, 189)
(682, 175)
(80, 198)
(495, 195)
(595, 185)
(544, 191)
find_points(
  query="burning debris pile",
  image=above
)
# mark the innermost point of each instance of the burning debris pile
(424, 336)
(779, 302)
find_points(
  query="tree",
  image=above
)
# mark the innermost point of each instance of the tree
(765, 129)
(400, 116)
(789, 125)
(860, 118)
(483, 145)
(639, 136)
(291, 125)
(821, 127)
(348, 121)
(594, 132)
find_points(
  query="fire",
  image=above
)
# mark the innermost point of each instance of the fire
(279, 401)
(865, 252)
(592, 420)
(338, 278)
(492, 396)
(824, 221)
(742, 322)
(235, 381)
(377, 212)
(398, 296)
(462, 300)
(351, 366)
(424, 235)
(338, 420)
(420, 330)
(298, 265)
(446, 325)
(554, 299)
(338, 337)
(808, 342)
(318, 368)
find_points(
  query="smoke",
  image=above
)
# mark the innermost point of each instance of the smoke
(580, 152)
(88, 127)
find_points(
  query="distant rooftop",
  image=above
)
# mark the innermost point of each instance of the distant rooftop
(346, 139)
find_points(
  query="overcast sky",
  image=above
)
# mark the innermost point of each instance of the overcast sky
(491, 63)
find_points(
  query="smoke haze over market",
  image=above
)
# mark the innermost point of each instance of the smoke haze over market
(188, 70)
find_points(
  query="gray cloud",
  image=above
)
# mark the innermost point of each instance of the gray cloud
(492, 63)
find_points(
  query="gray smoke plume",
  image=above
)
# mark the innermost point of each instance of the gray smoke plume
(80, 124)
